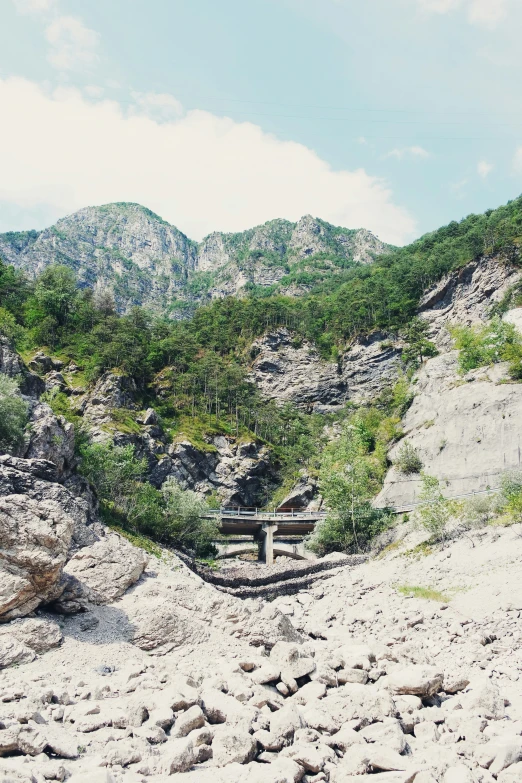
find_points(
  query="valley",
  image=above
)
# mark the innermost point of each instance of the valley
(315, 371)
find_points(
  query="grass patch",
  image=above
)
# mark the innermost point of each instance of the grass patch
(214, 565)
(137, 540)
(201, 428)
(123, 421)
(393, 547)
(427, 593)
(423, 549)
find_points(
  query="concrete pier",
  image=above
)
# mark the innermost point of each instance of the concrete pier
(266, 542)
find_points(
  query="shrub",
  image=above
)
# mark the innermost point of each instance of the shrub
(417, 346)
(511, 493)
(499, 341)
(435, 511)
(171, 516)
(13, 415)
(408, 461)
(478, 511)
(184, 521)
(347, 531)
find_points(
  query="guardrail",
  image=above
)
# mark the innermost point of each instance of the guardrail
(244, 511)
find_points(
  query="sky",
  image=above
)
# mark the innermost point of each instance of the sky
(393, 115)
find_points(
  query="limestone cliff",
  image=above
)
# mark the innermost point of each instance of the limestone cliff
(465, 428)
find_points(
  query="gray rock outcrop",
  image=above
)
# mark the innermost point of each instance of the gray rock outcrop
(466, 430)
(34, 543)
(12, 365)
(465, 297)
(288, 369)
(39, 480)
(51, 438)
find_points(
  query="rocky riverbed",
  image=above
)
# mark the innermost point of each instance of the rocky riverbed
(404, 668)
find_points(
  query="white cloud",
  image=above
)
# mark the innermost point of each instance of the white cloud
(484, 168)
(72, 43)
(412, 152)
(458, 188)
(200, 172)
(439, 6)
(160, 106)
(34, 6)
(485, 13)
(94, 90)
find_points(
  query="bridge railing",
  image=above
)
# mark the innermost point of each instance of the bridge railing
(246, 511)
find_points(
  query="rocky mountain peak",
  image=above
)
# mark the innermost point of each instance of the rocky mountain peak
(145, 260)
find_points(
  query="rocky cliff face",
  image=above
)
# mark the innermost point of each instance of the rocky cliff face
(290, 370)
(129, 250)
(466, 428)
(466, 296)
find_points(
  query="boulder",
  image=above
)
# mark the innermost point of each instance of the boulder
(388, 733)
(192, 719)
(107, 568)
(415, 680)
(292, 663)
(14, 652)
(36, 633)
(178, 756)
(34, 541)
(485, 700)
(233, 746)
(167, 627)
(512, 774)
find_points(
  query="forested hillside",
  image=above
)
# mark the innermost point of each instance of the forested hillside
(195, 373)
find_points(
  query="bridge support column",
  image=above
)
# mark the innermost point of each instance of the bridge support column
(266, 542)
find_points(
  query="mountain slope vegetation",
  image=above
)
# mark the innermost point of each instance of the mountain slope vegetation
(195, 372)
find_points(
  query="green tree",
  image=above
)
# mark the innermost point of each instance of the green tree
(13, 415)
(352, 469)
(418, 347)
(185, 524)
(435, 510)
(56, 292)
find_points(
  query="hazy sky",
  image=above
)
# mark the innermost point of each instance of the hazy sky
(395, 115)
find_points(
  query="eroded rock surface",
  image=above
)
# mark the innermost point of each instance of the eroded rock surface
(465, 297)
(34, 542)
(465, 428)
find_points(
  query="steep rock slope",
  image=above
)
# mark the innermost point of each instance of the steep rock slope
(466, 428)
(144, 260)
(466, 296)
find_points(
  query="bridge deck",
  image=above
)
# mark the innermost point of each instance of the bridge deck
(246, 521)
(250, 527)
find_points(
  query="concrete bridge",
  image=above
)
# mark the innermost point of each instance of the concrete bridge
(263, 526)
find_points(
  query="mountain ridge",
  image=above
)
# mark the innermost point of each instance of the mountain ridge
(145, 260)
